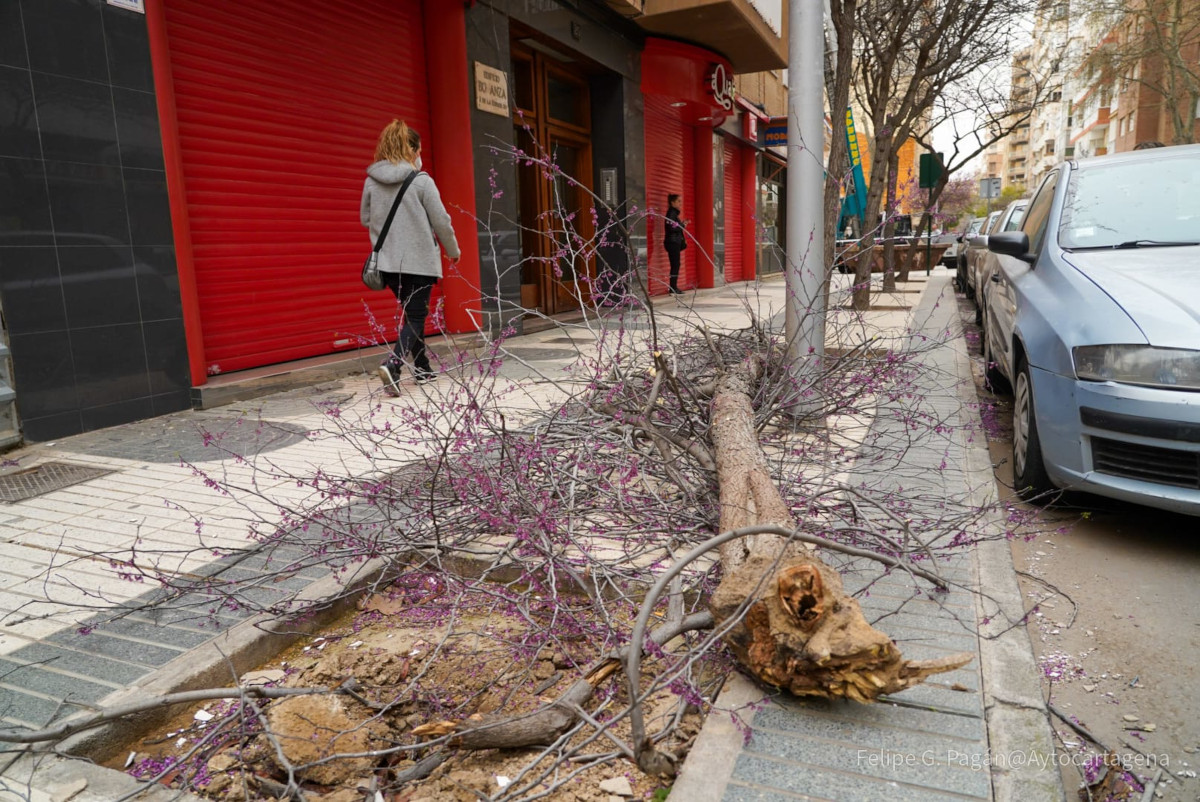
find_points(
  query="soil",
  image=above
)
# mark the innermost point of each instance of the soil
(410, 658)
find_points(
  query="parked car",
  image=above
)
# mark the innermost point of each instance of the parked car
(1093, 316)
(974, 247)
(985, 262)
(960, 278)
(950, 256)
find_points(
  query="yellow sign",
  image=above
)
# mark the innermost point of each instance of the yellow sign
(852, 140)
(491, 90)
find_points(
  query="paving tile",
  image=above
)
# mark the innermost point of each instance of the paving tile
(51, 683)
(78, 663)
(823, 783)
(27, 710)
(887, 714)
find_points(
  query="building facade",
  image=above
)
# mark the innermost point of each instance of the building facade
(179, 179)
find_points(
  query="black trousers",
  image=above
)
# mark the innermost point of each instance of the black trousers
(413, 294)
(674, 255)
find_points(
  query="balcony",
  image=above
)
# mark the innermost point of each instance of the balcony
(733, 28)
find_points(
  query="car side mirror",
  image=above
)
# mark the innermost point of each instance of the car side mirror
(1011, 243)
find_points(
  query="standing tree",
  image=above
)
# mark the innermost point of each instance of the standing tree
(1154, 44)
(909, 54)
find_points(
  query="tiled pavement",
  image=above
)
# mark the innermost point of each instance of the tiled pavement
(55, 580)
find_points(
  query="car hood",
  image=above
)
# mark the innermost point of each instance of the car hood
(1159, 288)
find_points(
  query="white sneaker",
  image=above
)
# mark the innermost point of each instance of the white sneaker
(391, 379)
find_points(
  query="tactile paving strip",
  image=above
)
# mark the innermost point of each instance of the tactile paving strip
(44, 478)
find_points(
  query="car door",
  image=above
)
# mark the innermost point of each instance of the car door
(1001, 303)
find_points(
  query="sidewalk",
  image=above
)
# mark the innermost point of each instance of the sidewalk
(54, 581)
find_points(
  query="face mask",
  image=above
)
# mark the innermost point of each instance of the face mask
(417, 163)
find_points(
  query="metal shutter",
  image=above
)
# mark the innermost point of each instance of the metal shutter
(670, 167)
(733, 212)
(279, 105)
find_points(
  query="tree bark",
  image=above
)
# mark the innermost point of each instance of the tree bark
(800, 630)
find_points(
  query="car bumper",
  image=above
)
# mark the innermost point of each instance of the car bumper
(1138, 444)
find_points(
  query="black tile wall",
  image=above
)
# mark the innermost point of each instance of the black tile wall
(18, 120)
(32, 289)
(65, 37)
(24, 203)
(88, 281)
(12, 35)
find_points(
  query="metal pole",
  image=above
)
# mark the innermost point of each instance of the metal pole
(929, 232)
(806, 269)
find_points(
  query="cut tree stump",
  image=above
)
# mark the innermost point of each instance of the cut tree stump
(801, 631)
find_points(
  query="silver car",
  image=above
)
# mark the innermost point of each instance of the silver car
(985, 261)
(1093, 315)
(976, 246)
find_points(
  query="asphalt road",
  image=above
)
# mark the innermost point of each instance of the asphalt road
(1114, 616)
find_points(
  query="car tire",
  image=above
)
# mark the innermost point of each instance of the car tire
(1029, 469)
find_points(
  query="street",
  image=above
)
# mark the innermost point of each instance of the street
(1114, 615)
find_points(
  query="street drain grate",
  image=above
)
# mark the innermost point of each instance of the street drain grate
(44, 478)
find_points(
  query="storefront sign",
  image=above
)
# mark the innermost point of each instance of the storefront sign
(491, 90)
(775, 134)
(133, 5)
(720, 84)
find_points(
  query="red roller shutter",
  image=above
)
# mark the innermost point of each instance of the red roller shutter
(733, 212)
(670, 168)
(279, 105)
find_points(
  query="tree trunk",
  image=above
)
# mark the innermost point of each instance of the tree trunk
(889, 226)
(800, 631)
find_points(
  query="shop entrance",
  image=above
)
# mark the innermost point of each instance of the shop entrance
(553, 121)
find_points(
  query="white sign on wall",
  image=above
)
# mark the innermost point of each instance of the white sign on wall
(491, 90)
(133, 5)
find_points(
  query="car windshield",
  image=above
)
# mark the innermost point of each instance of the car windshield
(1133, 204)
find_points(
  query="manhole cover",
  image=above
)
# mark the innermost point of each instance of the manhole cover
(44, 478)
(189, 438)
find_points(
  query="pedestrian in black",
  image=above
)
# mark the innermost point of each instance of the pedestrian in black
(409, 261)
(674, 240)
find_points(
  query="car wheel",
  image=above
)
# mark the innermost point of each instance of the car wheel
(1029, 470)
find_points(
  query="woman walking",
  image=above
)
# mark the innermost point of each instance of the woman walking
(409, 261)
(674, 240)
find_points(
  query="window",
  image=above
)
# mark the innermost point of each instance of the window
(1049, 147)
(1056, 96)
(1038, 214)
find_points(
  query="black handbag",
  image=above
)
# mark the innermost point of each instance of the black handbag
(370, 271)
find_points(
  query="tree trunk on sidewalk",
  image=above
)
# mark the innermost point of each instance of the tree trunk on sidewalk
(800, 631)
(889, 227)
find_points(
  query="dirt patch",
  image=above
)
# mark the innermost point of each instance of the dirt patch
(404, 659)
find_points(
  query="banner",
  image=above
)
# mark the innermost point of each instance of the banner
(855, 203)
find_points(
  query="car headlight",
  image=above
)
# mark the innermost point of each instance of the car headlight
(1170, 368)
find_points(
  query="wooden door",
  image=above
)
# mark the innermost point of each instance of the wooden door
(553, 122)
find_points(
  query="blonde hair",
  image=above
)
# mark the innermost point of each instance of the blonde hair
(398, 143)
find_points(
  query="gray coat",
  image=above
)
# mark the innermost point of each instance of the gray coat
(410, 246)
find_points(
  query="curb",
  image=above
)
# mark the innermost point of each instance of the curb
(219, 662)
